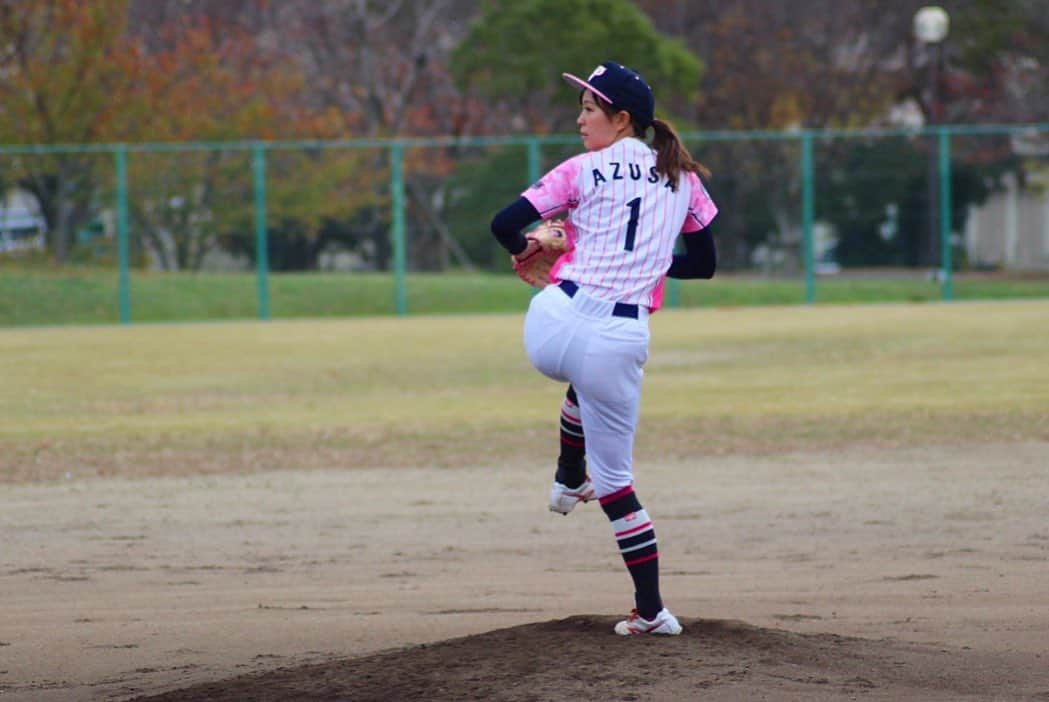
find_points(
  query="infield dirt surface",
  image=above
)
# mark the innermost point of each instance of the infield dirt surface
(856, 574)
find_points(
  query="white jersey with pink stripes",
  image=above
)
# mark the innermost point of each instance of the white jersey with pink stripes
(623, 220)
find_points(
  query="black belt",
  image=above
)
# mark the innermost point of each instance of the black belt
(620, 309)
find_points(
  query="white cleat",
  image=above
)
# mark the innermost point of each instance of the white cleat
(563, 500)
(664, 623)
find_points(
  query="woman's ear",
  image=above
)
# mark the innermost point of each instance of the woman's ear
(621, 120)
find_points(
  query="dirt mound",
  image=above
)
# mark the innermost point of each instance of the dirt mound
(579, 658)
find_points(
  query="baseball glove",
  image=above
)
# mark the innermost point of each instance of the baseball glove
(534, 269)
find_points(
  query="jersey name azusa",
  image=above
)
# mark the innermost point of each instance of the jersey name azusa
(632, 171)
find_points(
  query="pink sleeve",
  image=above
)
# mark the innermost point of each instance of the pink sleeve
(558, 190)
(701, 209)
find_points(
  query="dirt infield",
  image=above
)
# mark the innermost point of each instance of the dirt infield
(869, 574)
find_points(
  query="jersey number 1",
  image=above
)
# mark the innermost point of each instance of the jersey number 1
(631, 226)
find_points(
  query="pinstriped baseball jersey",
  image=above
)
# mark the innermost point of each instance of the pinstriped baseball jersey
(623, 220)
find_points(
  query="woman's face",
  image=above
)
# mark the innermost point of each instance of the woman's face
(595, 127)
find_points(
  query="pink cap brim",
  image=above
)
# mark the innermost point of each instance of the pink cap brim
(583, 85)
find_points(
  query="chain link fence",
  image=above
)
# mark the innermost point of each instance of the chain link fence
(808, 206)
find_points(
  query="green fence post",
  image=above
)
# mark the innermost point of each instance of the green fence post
(533, 161)
(262, 265)
(807, 216)
(946, 262)
(123, 258)
(397, 203)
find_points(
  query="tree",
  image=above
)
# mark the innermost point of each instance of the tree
(62, 74)
(779, 66)
(76, 73)
(873, 191)
(516, 50)
(213, 81)
(997, 64)
(521, 90)
(834, 63)
(381, 68)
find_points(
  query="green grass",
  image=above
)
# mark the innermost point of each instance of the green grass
(444, 390)
(41, 297)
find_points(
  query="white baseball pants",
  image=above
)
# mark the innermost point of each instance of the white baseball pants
(578, 340)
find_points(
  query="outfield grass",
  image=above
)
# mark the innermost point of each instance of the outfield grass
(445, 390)
(37, 297)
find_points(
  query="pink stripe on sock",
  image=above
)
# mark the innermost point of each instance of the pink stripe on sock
(646, 525)
(643, 559)
(573, 420)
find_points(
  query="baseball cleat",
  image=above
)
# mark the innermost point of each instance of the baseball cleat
(664, 623)
(564, 499)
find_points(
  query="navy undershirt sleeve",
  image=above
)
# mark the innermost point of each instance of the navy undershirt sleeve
(508, 224)
(700, 258)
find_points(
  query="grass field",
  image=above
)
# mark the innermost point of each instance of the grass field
(41, 297)
(448, 390)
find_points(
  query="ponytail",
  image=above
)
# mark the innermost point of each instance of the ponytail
(672, 157)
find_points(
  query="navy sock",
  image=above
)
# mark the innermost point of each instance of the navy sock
(571, 463)
(637, 543)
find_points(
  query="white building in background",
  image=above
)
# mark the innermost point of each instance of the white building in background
(22, 225)
(1011, 229)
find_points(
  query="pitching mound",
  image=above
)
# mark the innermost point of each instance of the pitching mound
(579, 658)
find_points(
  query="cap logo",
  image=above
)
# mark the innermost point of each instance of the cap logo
(597, 71)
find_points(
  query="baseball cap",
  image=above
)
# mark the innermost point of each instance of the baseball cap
(621, 87)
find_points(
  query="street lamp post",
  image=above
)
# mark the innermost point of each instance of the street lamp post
(931, 25)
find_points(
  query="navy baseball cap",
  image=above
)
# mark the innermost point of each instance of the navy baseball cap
(620, 87)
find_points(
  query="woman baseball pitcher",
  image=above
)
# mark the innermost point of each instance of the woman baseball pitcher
(625, 202)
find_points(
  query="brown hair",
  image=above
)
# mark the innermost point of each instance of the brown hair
(672, 156)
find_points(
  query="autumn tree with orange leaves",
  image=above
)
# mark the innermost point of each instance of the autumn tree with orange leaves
(65, 79)
(72, 73)
(214, 83)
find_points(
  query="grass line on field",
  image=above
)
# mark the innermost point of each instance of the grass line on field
(457, 389)
(37, 297)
